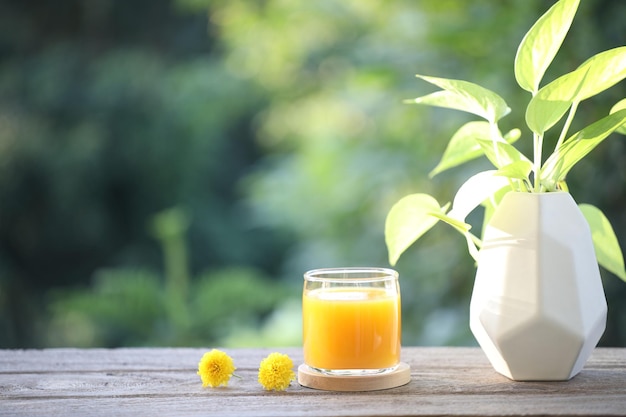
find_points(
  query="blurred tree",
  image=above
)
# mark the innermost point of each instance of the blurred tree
(343, 149)
(343, 146)
(111, 111)
(130, 307)
(277, 126)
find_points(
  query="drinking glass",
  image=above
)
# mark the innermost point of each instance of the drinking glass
(351, 320)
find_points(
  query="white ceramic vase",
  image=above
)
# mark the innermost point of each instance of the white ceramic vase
(538, 307)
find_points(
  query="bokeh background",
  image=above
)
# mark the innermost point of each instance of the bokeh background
(170, 168)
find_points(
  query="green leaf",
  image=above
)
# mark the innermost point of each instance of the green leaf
(542, 42)
(512, 135)
(575, 148)
(442, 98)
(547, 107)
(516, 170)
(463, 146)
(464, 96)
(603, 70)
(474, 191)
(593, 76)
(620, 105)
(500, 153)
(605, 242)
(408, 220)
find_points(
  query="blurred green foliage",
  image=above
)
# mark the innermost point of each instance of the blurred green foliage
(276, 132)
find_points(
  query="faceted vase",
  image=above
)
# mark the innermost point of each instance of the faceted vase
(538, 307)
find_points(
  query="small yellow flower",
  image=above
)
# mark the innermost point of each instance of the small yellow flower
(215, 368)
(275, 372)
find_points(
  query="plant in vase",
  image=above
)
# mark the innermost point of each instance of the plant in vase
(538, 307)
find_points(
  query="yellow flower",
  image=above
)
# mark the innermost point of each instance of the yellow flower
(275, 372)
(215, 368)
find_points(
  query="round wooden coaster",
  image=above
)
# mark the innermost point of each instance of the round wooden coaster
(308, 377)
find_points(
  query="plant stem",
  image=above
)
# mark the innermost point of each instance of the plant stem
(537, 147)
(495, 136)
(473, 244)
(475, 239)
(568, 122)
(524, 186)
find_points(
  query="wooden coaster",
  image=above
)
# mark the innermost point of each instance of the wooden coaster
(308, 377)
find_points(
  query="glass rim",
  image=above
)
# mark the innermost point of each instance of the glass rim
(350, 274)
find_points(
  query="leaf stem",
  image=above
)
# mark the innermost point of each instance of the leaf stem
(476, 240)
(537, 147)
(568, 122)
(473, 244)
(495, 136)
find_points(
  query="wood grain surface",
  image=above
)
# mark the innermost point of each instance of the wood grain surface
(163, 382)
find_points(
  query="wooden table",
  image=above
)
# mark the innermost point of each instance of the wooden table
(163, 382)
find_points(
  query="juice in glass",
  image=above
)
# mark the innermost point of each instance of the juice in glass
(351, 320)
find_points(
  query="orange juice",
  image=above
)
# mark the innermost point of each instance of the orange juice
(351, 328)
